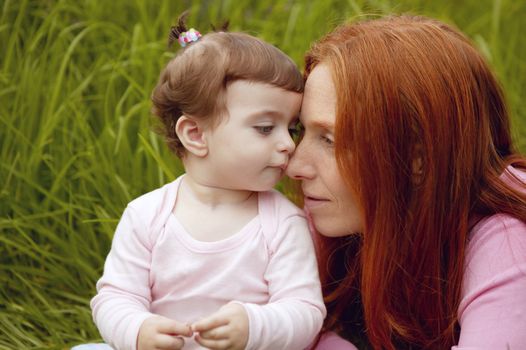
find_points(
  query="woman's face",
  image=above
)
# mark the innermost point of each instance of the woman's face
(327, 198)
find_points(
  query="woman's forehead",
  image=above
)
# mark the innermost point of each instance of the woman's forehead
(319, 100)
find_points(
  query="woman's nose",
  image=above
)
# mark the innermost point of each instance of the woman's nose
(300, 165)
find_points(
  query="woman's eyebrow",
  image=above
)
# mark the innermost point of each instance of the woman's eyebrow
(321, 124)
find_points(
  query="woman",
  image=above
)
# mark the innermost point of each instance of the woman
(409, 175)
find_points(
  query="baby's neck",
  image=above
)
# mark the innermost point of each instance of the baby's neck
(211, 213)
(213, 196)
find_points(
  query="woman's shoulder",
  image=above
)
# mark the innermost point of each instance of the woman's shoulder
(499, 239)
(495, 256)
(495, 239)
(493, 299)
(515, 177)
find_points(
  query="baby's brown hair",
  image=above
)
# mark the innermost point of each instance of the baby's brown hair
(194, 82)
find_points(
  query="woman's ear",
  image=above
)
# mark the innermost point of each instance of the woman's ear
(417, 167)
(190, 133)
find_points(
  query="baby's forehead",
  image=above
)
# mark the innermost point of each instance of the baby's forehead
(252, 97)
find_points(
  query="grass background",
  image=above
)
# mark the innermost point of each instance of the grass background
(75, 131)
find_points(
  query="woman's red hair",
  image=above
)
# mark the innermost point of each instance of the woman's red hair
(422, 138)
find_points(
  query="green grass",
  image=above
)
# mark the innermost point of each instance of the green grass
(75, 128)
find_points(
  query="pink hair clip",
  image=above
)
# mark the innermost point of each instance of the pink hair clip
(188, 37)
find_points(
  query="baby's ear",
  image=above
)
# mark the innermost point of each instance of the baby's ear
(190, 133)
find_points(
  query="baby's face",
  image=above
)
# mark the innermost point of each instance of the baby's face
(251, 147)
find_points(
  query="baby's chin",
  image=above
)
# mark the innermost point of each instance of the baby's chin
(267, 184)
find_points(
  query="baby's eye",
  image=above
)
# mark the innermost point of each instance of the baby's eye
(264, 129)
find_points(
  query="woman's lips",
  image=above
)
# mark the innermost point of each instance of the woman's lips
(312, 202)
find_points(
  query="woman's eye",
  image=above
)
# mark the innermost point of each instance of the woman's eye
(327, 140)
(264, 129)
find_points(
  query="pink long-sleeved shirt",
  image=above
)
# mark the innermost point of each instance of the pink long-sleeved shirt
(156, 267)
(492, 311)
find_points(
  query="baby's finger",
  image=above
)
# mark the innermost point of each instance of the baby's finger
(174, 328)
(213, 344)
(216, 333)
(214, 321)
(168, 342)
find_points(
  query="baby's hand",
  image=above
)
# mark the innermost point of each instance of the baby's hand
(158, 332)
(225, 329)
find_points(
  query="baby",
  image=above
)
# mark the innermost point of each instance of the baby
(217, 258)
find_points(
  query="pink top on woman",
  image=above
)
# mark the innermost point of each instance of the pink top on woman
(492, 310)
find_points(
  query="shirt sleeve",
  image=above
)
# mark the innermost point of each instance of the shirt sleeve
(492, 311)
(332, 341)
(295, 311)
(123, 292)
